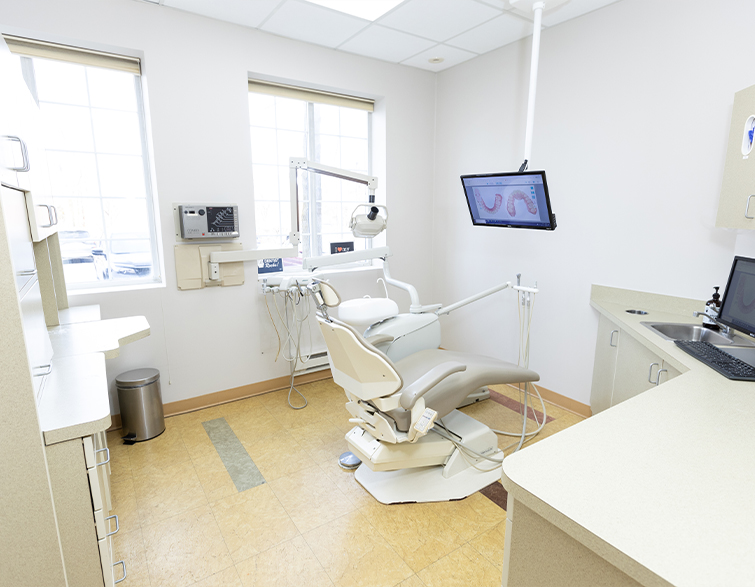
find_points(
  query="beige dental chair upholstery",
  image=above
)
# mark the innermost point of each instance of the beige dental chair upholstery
(391, 404)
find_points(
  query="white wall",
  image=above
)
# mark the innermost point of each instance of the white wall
(195, 71)
(631, 123)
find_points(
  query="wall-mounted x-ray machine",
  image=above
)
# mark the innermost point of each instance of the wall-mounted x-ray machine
(198, 266)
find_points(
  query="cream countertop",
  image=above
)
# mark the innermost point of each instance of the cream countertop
(662, 484)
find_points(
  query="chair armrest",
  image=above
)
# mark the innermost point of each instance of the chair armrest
(416, 390)
(378, 338)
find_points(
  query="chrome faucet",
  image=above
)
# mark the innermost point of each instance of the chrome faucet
(723, 327)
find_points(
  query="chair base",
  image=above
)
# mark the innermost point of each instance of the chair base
(423, 484)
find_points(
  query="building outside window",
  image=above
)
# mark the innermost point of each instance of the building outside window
(96, 148)
(331, 129)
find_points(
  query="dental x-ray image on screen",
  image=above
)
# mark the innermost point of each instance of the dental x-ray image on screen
(509, 200)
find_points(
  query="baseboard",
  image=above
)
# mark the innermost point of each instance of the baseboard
(563, 402)
(231, 395)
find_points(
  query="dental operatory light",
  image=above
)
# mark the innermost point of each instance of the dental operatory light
(366, 9)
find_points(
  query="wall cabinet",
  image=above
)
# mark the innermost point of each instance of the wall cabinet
(736, 206)
(623, 367)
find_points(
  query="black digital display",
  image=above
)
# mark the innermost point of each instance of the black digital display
(221, 219)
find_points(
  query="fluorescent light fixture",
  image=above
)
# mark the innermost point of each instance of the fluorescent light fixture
(367, 9)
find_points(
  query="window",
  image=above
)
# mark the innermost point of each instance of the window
(328, 128)
(94, 129)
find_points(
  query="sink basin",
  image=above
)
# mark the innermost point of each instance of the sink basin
(671, 331)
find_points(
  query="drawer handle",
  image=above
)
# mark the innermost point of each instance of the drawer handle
(610, 339)
(658, 378)
(47, 370)
(24, 154)
(650, 373)
(747, 208)
(52, 215)
(26, 273)
(117, 526)
(105, 462)
(124, 571)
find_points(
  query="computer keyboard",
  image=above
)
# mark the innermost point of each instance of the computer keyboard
(728, 366)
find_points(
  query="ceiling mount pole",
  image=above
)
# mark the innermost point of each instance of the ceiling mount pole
(537, 8)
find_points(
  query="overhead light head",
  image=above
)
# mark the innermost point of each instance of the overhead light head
(436, 60)
(368, 225)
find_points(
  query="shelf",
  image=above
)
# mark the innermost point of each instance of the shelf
(79, 314)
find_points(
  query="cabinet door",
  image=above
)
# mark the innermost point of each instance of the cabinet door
(633, 365)
(667, 372)
(603, 372)
(19, 238)
(736, 206)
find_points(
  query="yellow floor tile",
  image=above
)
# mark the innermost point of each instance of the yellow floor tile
(279, 455)
(413, 581)
(167, 492)
(290, 564)
(353, 553)
(157, 453)
(226, 578)
(347, 483)
(310, 498)
(197, 441)
(290, 418)
(254, 425)
(124, 503)
(129, 547)
(214, 477)
(469, 517)
(185, 549)
(414, 531)
(462, 568)
(490, 544)
(253, 521)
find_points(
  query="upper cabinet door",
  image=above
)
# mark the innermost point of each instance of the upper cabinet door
(736, 207)
(22, 149)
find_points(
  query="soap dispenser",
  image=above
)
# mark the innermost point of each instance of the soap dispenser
(712, 308)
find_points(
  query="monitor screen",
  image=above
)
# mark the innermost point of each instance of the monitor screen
(738, 304)
(509, 200)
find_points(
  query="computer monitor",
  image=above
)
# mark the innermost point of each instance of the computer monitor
(738, 303)
(509, 200)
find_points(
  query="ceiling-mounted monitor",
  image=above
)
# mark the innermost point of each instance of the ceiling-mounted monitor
(509, 200)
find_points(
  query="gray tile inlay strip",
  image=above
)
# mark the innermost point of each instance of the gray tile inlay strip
(237, 461)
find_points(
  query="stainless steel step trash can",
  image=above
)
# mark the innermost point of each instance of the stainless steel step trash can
(141, 403)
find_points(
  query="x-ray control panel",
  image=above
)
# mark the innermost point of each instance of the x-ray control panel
(200, 221)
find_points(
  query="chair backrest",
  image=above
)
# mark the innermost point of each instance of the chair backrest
(357, 366)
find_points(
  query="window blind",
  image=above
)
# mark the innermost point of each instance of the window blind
(47, 50)
(310, 95)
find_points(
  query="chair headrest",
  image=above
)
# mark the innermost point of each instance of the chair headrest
(328, 295)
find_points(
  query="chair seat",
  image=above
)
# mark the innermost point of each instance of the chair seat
(449, 393)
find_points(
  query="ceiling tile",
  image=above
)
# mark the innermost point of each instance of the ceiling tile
(313, 24)
(572, 9)
(451, 56)
(438, 19)
(387, 44)
(495, 33)
(237, 11)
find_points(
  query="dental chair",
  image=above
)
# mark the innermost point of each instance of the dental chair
(414, 445)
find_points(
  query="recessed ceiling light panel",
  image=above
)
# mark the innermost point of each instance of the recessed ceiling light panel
(367, 9)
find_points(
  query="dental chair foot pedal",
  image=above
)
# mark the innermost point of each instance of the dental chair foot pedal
(349, 461)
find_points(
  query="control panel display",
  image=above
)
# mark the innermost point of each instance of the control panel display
(217, 221)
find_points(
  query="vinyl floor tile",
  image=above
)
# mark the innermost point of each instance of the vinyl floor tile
(155, 454)
(167, 492)
(413, 581)
(124, 503)
(215, 480)
(129, 547)
(279, 455)
(414, 531)
(185, 549)
(253, 521)
(254, 425)
(354, 554)
(462, 568)
(469, 517)
(490, 544)
(347, 483)
(226, 578)
(290, 564)
(310, 498)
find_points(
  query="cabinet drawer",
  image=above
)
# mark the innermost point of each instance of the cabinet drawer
(106, 525)
(95, 487)
(19, 236)
(38, 347)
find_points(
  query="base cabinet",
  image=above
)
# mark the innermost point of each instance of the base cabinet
(623, 367)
